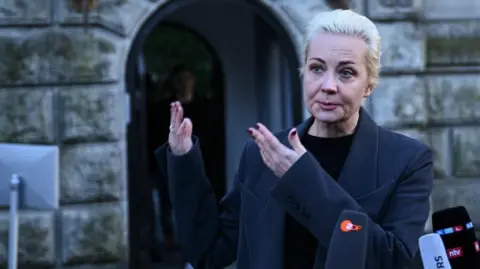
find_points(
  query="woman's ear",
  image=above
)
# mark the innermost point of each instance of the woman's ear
(368, 91)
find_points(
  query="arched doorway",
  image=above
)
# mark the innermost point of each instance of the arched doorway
(261, 83)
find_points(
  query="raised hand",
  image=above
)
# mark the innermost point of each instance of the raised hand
(276, 155)
(180, 136)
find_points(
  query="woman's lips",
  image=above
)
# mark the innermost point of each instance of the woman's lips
(328, 106)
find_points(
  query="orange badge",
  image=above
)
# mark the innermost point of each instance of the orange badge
(348, 226)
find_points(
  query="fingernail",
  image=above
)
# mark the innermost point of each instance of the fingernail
(249, 131)
(294, 132)
(258, 125)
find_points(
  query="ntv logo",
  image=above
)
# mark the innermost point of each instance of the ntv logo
(455, 252)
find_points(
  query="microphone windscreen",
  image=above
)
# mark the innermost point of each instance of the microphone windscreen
(455, 227)
(433, 252)
(348, 245)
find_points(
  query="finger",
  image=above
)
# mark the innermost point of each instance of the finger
(173, 112)
(259, 140)
(270, 139)
(186, 128)
(178, 116)
(294, 140)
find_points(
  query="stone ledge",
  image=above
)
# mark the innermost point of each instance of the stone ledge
(447, 9)
(36, 245)
(394, 9)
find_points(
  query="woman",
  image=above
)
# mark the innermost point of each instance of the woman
(291, 187)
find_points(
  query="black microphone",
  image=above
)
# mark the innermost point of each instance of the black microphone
(348, 245)
(455, 227)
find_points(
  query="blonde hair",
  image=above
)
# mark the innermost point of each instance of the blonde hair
(347, 22)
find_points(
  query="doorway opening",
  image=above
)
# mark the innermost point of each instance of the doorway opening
(243, 61)
(181, 65)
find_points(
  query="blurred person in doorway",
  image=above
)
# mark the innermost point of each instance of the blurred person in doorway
(180, 85)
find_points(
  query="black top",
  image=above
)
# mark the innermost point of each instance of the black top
(300, 244)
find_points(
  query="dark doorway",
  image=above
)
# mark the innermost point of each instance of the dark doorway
(251, 74)
(179, 61)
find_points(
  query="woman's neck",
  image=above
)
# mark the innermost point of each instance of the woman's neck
(335, 129)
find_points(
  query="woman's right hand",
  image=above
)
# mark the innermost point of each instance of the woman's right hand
(180, 136)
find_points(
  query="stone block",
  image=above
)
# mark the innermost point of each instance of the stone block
(94, 234)
(25, 12)
(51, 56)
(447, 9)
(300, 12)
(403, 46)
(453, 43)
(466, 152)
(93, 113)
(122, 17)
(92, 173)
(399, 101)
(394, 9)
(437, 140)
(458, 192)
(440, 143)
(36, 247)
(454, 98)
(26, 116)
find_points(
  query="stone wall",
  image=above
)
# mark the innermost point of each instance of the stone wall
(64, 86)
(430, 89)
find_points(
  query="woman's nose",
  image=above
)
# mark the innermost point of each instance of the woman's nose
(330, 84)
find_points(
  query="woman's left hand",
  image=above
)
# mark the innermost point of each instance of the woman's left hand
(276, 156)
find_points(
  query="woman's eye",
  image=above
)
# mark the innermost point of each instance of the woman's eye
(347, 73)
(316, 69)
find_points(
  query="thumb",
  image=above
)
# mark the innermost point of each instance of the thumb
(294, 140)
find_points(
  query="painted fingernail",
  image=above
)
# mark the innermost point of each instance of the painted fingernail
(294, 132)
(258, 125)
(249, 132)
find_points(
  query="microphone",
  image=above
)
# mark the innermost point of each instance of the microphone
(455, 227)
(433, 252)
(348, 245)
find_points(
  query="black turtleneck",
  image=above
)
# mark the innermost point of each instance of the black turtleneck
(300, 245)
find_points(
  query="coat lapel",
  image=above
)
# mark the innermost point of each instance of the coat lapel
(361, 163)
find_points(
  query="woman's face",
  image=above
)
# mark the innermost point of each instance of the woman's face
(335, 77)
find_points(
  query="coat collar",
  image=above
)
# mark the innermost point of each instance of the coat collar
(361, 163)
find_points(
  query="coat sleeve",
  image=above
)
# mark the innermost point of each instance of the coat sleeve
(206, 231)
(317, 202)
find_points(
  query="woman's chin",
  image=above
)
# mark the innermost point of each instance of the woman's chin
(327, 117)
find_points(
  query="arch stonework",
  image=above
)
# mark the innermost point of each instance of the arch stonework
(63, 84)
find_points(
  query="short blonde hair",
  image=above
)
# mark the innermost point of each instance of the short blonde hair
(347, 22)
